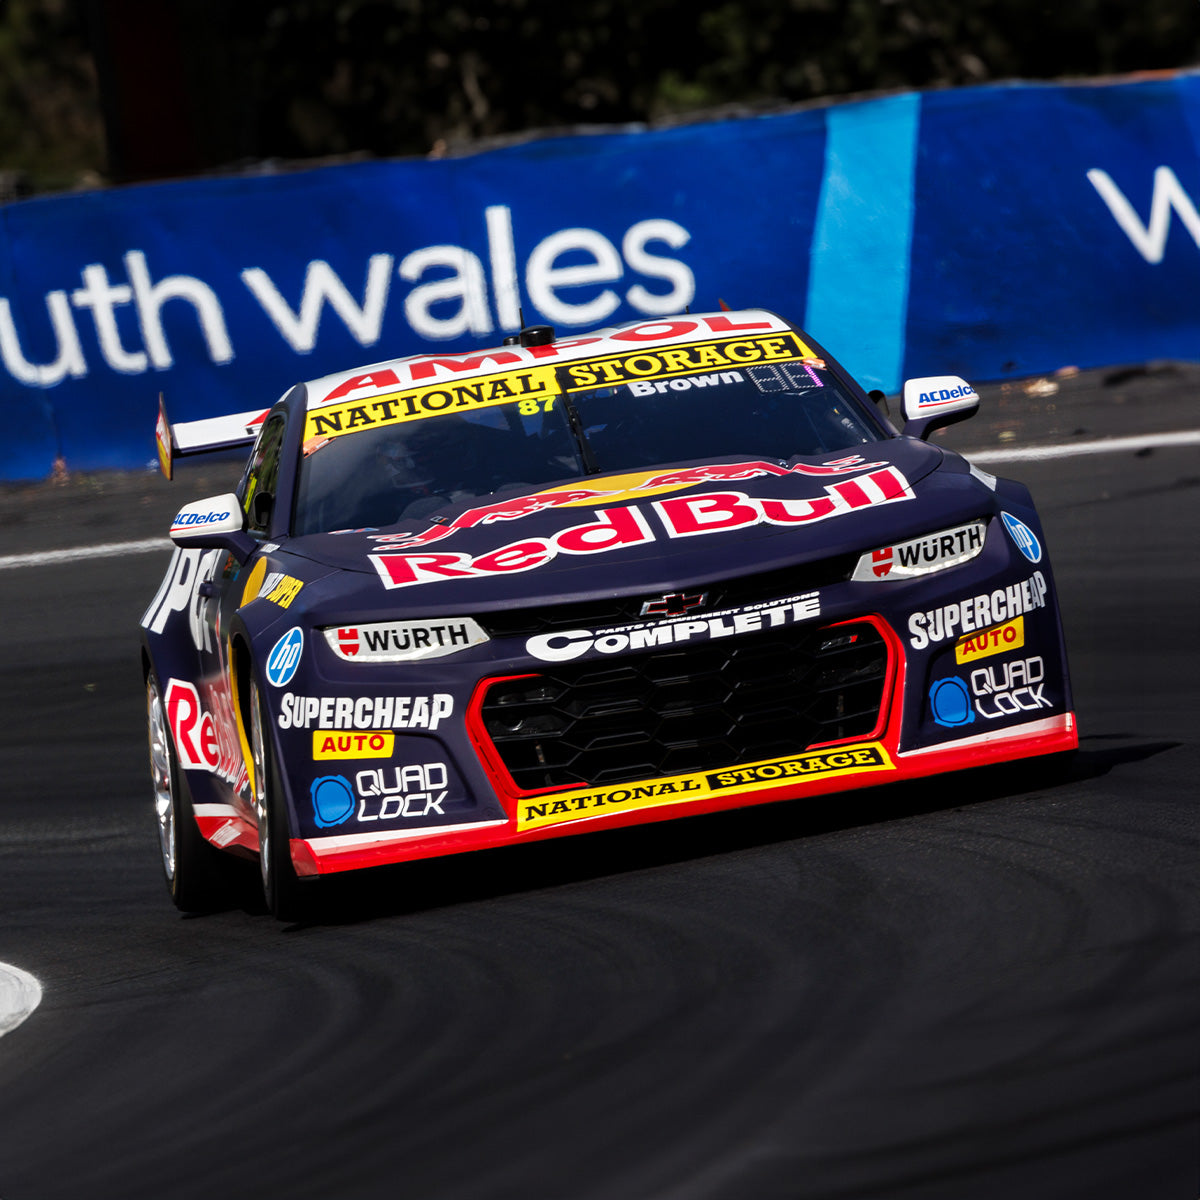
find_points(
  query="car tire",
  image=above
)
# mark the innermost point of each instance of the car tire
(198, 876)
(287, 897)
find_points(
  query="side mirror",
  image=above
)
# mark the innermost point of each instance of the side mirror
(217, 523)
(936, 401)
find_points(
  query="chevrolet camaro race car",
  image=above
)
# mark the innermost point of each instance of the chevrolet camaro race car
(472, 600)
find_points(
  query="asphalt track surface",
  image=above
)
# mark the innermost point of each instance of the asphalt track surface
(982, 986)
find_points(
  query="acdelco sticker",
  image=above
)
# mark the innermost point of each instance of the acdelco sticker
(946, 395)
(682, 360)
(977, 612)
(191, 518)
(1009, 636)
(860, 758)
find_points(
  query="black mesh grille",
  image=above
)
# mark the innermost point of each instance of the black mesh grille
(727, 593)
(693, 707)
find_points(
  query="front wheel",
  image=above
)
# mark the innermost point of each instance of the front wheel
(284, 893)
(197, 875)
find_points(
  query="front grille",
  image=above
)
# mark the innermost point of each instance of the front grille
(695, 707)
(726, 593)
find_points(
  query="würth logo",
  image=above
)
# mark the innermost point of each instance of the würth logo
(673, 604)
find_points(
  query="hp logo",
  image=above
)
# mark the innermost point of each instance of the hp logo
(285, 657)
(1023, 536)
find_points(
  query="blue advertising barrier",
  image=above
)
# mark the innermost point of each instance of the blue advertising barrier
(988, 232)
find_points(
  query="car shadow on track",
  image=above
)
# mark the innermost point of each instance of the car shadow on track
(456, 879)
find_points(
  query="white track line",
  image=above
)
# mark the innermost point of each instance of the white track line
(108, 550)
(20, 994)
(1149, 441)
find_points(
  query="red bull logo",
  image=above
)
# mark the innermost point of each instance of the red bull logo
(618, 488)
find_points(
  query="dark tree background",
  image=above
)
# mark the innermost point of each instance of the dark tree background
(95, 90)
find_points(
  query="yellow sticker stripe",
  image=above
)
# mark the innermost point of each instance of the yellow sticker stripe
(1009, 636)
(575, 805)
(254, 582)
(396, 408)
(285, 591)
(682, 360)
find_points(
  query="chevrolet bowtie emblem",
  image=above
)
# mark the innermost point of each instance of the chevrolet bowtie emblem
(673, 604)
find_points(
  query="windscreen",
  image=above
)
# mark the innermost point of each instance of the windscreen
(406, 470)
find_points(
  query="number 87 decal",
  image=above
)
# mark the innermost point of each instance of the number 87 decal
(531, 408)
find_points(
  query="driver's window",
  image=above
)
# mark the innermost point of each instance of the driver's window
(258, 484)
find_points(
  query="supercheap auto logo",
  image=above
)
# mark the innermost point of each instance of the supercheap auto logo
(856, 759)
(998, 640)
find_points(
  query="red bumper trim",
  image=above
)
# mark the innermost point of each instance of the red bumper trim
(319, 856)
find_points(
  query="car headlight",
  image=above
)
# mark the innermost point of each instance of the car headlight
(403, 641)
(923, 555)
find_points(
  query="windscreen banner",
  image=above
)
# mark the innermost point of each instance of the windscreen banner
(988, 232)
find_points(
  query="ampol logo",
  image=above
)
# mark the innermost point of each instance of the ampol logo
(285, 657)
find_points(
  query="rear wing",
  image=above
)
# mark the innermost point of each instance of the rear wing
(203, 437)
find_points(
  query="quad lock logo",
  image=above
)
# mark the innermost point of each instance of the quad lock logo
(1004, 690)
(381, 794)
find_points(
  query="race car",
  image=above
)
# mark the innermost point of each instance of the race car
(566, 584)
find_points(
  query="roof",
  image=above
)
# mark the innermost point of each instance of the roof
(432, 369)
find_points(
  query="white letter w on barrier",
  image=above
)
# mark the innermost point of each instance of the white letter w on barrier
(1149, 240)
(322, 285)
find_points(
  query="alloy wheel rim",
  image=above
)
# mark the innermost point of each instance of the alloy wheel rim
(160, 776)
(257, 752)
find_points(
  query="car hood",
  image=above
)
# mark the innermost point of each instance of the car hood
(652, 529)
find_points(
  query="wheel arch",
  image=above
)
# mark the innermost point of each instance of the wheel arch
(240, 677)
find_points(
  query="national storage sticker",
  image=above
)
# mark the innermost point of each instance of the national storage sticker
(859, 758)
(682, 360)
(396, 408)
